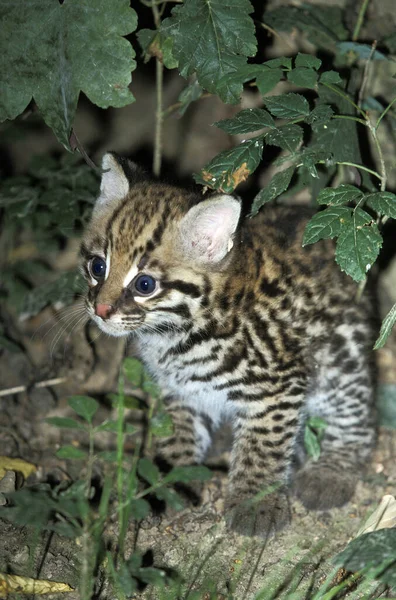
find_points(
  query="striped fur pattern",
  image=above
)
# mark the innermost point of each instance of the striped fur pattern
(244, 325)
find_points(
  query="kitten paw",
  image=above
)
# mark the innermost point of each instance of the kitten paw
(320, 487)
(262, 519)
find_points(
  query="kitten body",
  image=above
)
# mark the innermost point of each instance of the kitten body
(242, 324)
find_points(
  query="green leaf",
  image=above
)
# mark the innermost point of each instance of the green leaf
(288, 137)
(148, 470)
(171, 497)
(371, 550)
(386, 401)
(140, 508)
(307, 60)
(133, 370)
(362, 51)
(330, 77)
(386, 328)
(311, 444)
(358, 244)
(64, 423)
(60, 291)
(155, 44)
(303, 77)
(317, 423)
(278, 184)
(191, 92)
(229, 168)
(108, 456)
(186, 474)
(339, 196)
(320, 115)
(267, 79)
(384, 203)
(326, 224)
(70, 452)
(287, 106)
(150, 387)
(85, 406)
(281, 61)
(153, 576)
(161, 425)
(107, 426)
(212, 40)
(247, 120)
(47, 58)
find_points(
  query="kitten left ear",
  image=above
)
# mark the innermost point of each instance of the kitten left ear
(116, 177)
(208, 228)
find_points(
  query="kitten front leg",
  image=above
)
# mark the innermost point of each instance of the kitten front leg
(261, 459)
(191, 435)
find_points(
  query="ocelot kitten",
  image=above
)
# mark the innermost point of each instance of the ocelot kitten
(236, 321)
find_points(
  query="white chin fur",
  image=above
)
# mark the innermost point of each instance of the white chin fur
(111, 329)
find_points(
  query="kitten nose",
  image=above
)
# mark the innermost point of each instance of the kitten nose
(103, 310)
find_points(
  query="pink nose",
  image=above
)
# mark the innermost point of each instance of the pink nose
(103, 310)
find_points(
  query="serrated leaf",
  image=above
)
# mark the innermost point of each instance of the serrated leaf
(247, 120)
(64, 423)
(331, 77)
(358, 244)
(154, 43)
(384, 203)
(326, 224)
(287, 106)
(212, 40)
(267, 80)
(229, 168)
(386, 328)
(278, 184)
(371, 550)
(84, 406)
(303, 77)
(362, 51)
(161, 425)
(71, 453)
(281, 61)
(307, 60)
(133, 370)
(47, 59)
(140, 508)
(60, 291)
(185, 474)
(320, 115)
(148, 470)
(190, 93)
(288, 137)
(171, 497)
(339, 196)
(311, 444)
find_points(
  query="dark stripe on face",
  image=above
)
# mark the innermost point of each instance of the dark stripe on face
(190, 289)
(180, 309)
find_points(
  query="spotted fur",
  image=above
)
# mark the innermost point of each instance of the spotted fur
(246, 326)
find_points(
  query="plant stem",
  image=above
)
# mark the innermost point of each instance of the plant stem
(159, 75)
(359, 21)
(351, 164)
(382, 115)
(350, 118)
(366, 73)
(346, 97)
(120, 457)
(383, 177)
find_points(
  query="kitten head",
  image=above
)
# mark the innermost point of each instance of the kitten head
(149, 249)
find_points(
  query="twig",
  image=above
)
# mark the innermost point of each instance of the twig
(159, 75)
(382, 115)
(40, 384)
(359, 21)
(75, 144)
(275, 34)
(366, 73)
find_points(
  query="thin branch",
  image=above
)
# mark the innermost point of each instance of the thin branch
(40, 384)
(380, 155)
(159, 76)
(75, 144)
(360, 19)
(366, 73)
(345, 96)
(382, 115)
(350, 118)
(173, 107)
(275, 33)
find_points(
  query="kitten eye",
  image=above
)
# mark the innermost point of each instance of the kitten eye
(145, 284)
(97, 267)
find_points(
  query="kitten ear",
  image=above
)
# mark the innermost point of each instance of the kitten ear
(208, 228)
(118, 175)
